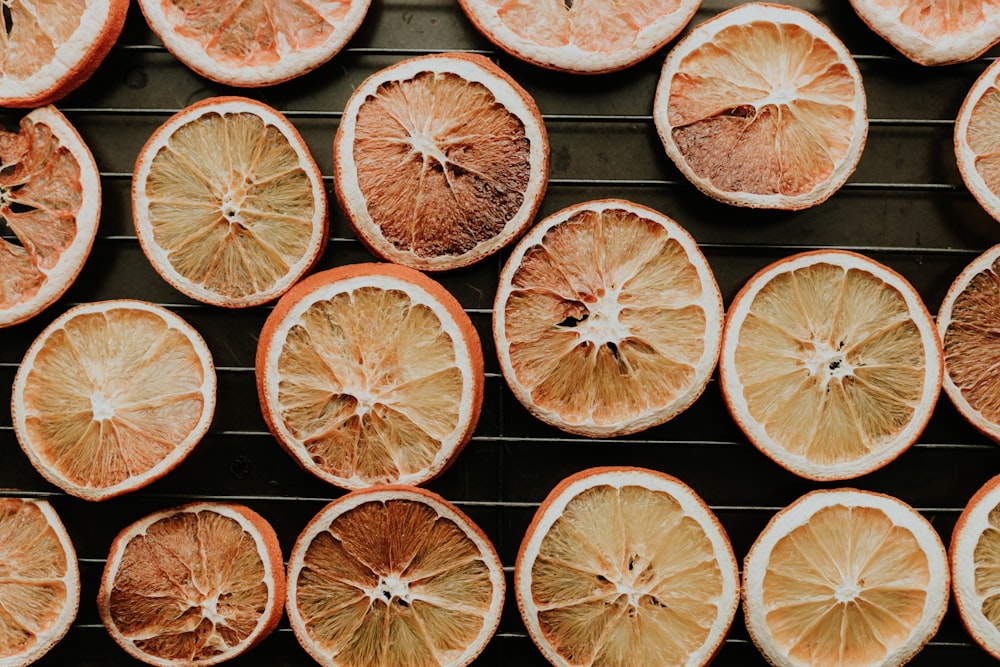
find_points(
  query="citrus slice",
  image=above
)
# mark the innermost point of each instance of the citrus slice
(607, 319)
(193, 586)
(762, 106)
(50, 202)
(370, 374)
(41, 581)
(257, 43)
(626, 566)
(111, 396)
(580, 37)
(393, 575)
(440, 161)
(48, 49)
(974, 557)
(830, 364)
(845, 577)
(934, 32)
(968, 326)
(229, 205)
(977, 150)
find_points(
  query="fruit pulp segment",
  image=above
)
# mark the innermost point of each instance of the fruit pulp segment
(986, 557)
(982, 137)
(940, 19)
(625, 577)
(35, 32)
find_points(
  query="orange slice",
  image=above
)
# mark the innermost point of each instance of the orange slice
(50, 200)
(229, 205)
(762, 106)
(393, 576)
(586, 37)
(257, 43)
(934, 32)
(830, 364)
(40, 588)
(977, 150)
(193, 586)
(968, 325)
(607, 319)
(370, 374)
(48, 49)
(625, 566)
(845, 577)
(974, 557)
(440, 161)
(111, 396)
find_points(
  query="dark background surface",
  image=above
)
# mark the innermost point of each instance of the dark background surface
(905, 206)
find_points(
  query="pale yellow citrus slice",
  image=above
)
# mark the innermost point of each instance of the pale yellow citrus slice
(830, 364)
(193, 586)
(111, 396)
(393, 575)
(50, 202)
(974, 556)
(626, 567)
(440, 160)
(977, 149)
(254, 43)
(845, 578)
(581, 36)
(762, 106)
(229, 205)
(40, 587)
(370, 374)
(607, 319)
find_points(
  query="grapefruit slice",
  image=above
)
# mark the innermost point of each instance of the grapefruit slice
(977, 150)
(974, 556)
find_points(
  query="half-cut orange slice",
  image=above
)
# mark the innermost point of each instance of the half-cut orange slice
(974, 556)
(977, 149)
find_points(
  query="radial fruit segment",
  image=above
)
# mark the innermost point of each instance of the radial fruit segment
(111, 396)
(975, 565)
(393, 576)
(626, 567)
(830, 364)
(977, 149)
(845, 577)
(762, 106)
(440, 161)
(607, 319)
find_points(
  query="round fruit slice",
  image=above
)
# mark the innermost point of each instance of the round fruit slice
(256, 43)
(625, 566)
(440, 161)
(370, 374)
(830, 364)
(111, 396)
(50, 202)
(967, 325)
(607, 319)
(193, 585)
(50, 48)
(974, 557)
(393, 575)
(40, 588)
(934, 32)
(845, 577)
(229, 205)
(762, 106)
(977, 149)
(580, 37)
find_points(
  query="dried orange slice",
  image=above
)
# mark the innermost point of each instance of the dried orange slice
(934, 32)
(977, 150)
(830, 364)
(370, 374)
(48, 49)
(111, 396)
(845, 577)
(194, 585)
(967, 324)
(40, 588)
(626, 566)
(607, 319)
(50, 199)
(393, 575)
(581, 37)
(229, 205)
(440, 161)
(762, 106)
(256, 43)
(974, 557)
